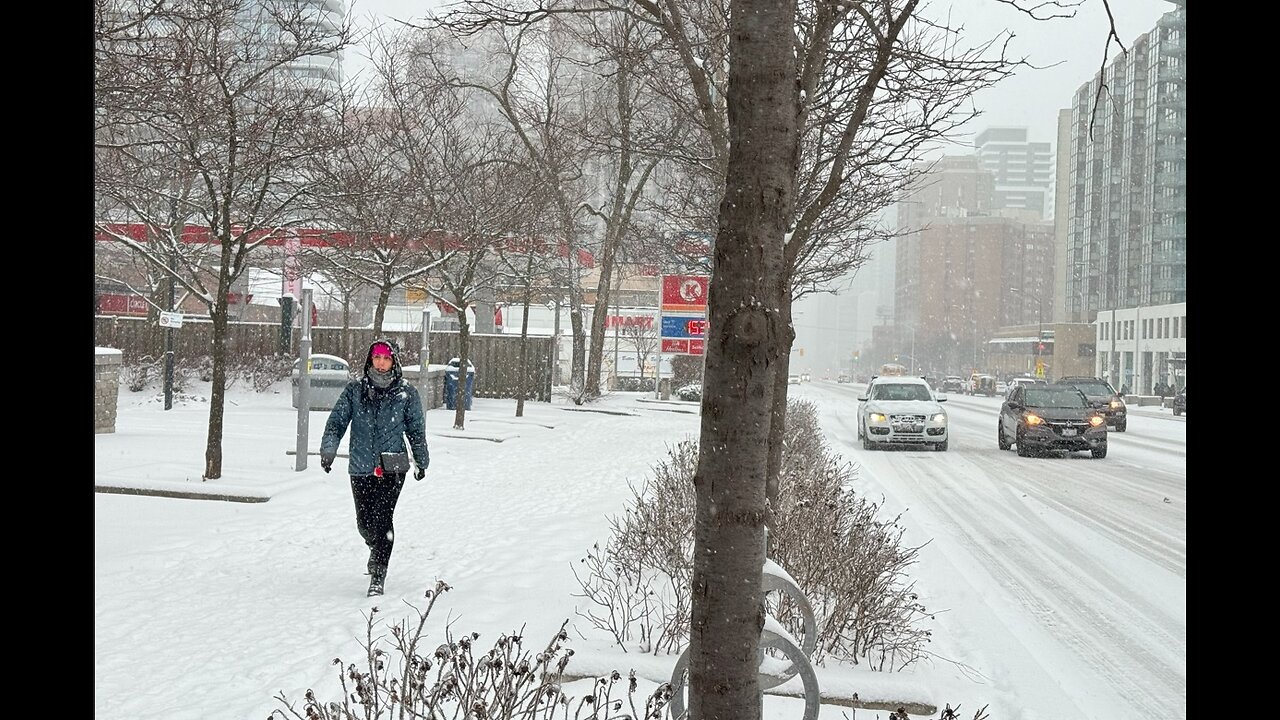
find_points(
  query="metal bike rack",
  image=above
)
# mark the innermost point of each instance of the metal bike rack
(775, 636)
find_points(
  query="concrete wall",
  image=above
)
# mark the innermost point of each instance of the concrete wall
(106, 388)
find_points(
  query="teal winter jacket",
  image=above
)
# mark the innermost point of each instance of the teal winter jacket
(379, 420)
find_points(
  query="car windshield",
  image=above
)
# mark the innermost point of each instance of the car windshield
(900, 392)
(1094, 388)
(1054, 398)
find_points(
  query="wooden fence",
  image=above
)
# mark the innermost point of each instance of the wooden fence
(495, 357)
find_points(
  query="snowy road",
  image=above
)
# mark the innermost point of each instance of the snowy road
(1068, 572)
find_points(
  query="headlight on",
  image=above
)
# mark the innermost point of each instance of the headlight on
(877, 417)
(1032, 419)
(1097, 420)
(939, 417)
(1116, 404)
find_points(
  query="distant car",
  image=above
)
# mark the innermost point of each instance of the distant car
(804, 377)
(328, 375)
(1002, 387)
(1041, 417)
(983, 385)
(1102, 395)
(952, 383)
(1180, 402)
(1026, 380)
(793, 379)
(842, 378)
(690, 392)
(902, 410)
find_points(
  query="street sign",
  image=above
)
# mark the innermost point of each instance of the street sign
(170, 319)
(684, 326)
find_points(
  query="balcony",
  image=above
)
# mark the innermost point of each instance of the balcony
(1177, 203)
(1169, 257)
(1176, 178)
(1169, 285)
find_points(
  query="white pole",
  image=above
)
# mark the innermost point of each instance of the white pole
(304, 383)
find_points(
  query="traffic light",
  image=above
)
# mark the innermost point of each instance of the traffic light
(1040, 347)
(801, 352)
(855, 355)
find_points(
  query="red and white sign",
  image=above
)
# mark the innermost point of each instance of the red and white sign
(681, 346)
(684, 297)
(684, 293)
(121, 304)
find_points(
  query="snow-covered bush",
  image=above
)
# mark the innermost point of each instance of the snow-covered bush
(637, 587)
(415, 678)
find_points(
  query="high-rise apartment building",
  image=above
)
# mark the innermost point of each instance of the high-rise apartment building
(1023, 170)
(324, 72)
(1126, 229)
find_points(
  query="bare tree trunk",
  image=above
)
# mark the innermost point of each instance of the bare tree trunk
(778, 409)
(604, 288)
(217, 393)
(578, 361)
(524, 337)
(745, 339)
(380, 310)
(460, 393)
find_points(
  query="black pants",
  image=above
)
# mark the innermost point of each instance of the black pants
(376, 499)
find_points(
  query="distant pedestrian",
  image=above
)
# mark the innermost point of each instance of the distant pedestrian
(1124, 389)
(381, 409)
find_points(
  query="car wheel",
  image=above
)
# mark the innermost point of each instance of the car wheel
(1099, 451)
(942, 446)
(867, 444)
(1176, 411)
(1004, 444)
(861, 434)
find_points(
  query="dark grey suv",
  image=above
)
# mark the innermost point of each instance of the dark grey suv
(1038, 418)
(1103, 397)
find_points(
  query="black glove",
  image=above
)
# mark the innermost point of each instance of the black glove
(420, 473)
(326, 462)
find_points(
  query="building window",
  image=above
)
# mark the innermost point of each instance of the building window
(1184, 326)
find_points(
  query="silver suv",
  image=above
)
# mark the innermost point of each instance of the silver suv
(902, 410)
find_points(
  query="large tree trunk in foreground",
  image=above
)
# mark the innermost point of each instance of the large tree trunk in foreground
(745, 338)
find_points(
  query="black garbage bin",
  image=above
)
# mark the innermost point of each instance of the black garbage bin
(451, 385)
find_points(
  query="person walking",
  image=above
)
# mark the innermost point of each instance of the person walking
(381, 409)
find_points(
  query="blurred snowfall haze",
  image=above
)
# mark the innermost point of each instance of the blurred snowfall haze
(1065, 53)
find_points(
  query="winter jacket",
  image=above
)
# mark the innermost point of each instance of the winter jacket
(379, 420)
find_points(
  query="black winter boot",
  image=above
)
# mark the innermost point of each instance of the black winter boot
(377, 578)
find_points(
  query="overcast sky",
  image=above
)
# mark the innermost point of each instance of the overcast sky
(1070, 51)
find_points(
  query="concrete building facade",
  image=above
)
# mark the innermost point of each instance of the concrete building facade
(1023, 170)
(965, 268)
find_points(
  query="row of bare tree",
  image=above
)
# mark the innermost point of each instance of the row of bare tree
(494, 141)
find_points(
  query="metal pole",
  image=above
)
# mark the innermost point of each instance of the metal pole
(913, 349)
(304, 383)
(168, 342)
(424, 355)
(555, 343)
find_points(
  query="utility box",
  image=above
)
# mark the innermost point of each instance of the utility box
(451, 385)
